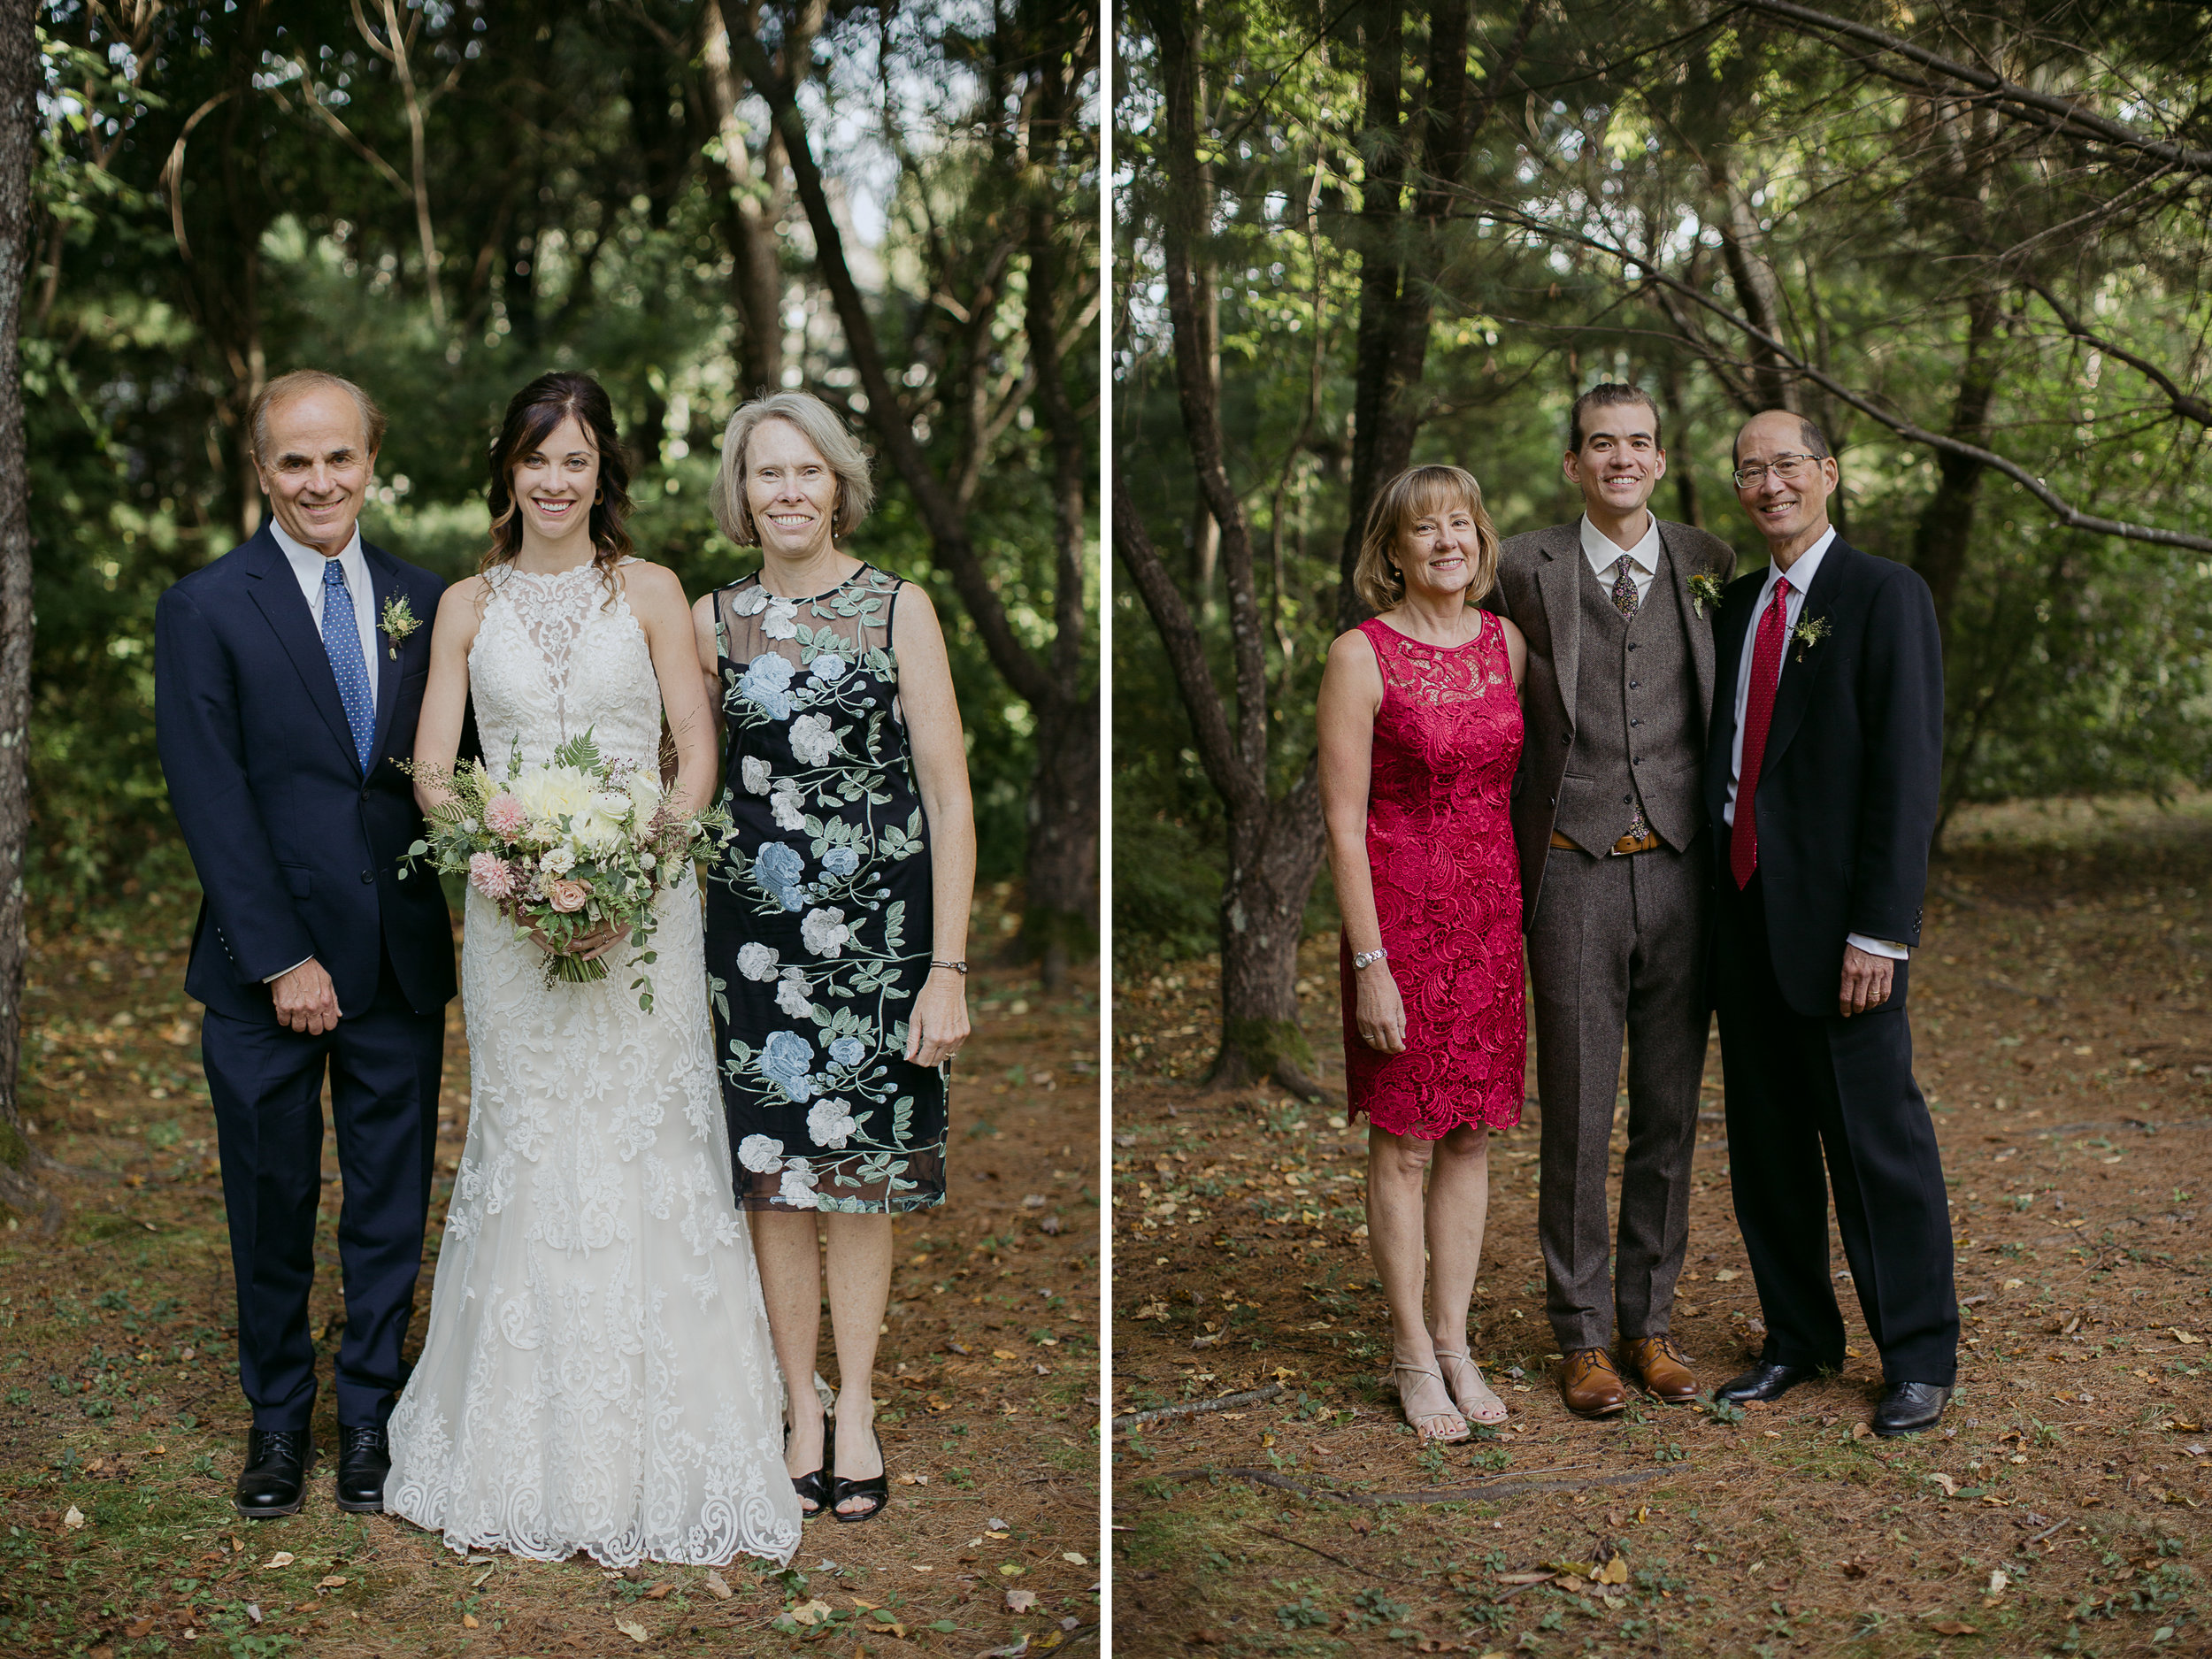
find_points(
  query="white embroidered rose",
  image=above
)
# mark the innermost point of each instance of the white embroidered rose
(798, 1186)
(761, 1154)
(830, 1122)
(792, 993)
(829, 667)
(756, 961)
(787, 804)
(755, 771)
(813, 740)
(751, 602)
(781, 622)
(824, 932)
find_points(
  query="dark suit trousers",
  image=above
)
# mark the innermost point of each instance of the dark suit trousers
(266, 1083)
(1617, 944)
(1801, 1086)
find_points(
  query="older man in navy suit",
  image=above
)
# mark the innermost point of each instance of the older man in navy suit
(1823, 766)
(288, 676)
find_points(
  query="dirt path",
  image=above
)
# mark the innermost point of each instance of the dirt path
(119, 1399)
(2063, 1016)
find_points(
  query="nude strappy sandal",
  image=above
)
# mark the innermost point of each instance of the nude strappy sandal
(1480, 1404)
(1416, 1419)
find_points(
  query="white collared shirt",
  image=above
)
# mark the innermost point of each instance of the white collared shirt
(1605, 556)
(307, 565)
(1801, 576)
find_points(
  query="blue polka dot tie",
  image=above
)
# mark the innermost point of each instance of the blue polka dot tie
(341, 642)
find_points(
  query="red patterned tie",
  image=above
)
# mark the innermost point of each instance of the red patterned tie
(1766, 668)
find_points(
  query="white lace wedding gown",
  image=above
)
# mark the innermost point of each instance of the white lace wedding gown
(596, 1373)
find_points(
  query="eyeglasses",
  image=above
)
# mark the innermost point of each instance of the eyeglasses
(1789, 468)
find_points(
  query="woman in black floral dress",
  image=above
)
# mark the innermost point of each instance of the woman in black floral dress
(836, 933)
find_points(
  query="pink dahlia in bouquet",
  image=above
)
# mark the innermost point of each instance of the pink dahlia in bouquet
(568, 849)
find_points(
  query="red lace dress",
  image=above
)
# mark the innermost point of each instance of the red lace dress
(1447, 887)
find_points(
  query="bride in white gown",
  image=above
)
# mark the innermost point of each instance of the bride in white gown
(597, 1373)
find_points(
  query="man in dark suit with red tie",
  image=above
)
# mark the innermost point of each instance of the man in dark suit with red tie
(1824, 770)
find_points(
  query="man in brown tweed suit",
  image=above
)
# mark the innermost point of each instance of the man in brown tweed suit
(1608, 819)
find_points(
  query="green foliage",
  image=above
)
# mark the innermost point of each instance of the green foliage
(578, 226)
(1909, 258)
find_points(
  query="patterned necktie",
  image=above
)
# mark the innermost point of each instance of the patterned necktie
(1624, 587)
(1766, 669)
(341, 643)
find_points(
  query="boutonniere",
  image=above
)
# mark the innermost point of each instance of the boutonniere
(398, 622)
(1808, 632)
(1704, 590)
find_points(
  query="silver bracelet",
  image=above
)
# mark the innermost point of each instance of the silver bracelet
(1367, 958)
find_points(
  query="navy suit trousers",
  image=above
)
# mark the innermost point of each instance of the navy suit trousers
(267, 1083)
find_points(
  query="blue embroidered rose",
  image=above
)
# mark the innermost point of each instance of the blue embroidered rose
(841, 861)
(779, 869)
(767, 678)
(848, 1051)
(784, 1059)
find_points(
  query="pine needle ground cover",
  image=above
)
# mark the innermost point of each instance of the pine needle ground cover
(2062, 1013)
(119, 1405)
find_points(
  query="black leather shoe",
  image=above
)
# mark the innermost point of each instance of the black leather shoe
(274, 1480)
(1763, 1381)
(1910, 1408)
(365, 1457)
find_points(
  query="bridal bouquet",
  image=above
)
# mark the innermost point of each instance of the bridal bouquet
(568, 849)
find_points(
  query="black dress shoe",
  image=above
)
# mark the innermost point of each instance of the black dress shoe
(365, 1457)
(1910, 1408)
(1763, 1381)
(274, 1480)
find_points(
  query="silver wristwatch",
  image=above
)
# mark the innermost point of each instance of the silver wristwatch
(1366, 958)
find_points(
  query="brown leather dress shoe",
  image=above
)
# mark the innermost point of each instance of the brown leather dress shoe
(1590, 1386)
(1662, 1368)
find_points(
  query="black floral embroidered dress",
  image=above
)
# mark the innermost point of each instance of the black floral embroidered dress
(819, 928)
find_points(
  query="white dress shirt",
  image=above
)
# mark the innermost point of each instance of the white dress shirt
(1605, 556)
(1801, 578)
(307, 565)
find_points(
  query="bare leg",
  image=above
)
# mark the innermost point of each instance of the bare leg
(783, 1245)
(1458, 1205)
(859, 1292)
(1396, 1164)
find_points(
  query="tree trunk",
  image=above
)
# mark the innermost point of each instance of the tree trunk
(1060, 896)
(19, 138)
(1946, 527)
(1273, 859)
(746, 221)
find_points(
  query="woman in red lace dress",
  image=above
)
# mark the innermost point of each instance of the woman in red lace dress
(1420, 730)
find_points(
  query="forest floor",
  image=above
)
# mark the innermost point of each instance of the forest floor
(122, 1427)
(2062, 1012)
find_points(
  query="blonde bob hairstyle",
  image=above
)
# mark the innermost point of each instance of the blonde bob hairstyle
(818, 424)
(1407, 499)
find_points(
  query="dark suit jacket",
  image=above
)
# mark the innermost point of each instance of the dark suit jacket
(1539, 577)
(1853, 769)
(296, 852)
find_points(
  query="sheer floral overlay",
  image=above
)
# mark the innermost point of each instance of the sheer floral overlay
(596, 1373)
(1448, 889)
(818, 929)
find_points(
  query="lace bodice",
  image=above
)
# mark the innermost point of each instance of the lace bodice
(555, 656)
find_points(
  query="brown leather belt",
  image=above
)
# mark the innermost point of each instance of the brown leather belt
(1647, 842)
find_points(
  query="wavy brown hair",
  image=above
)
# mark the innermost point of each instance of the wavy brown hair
(1404, 502)
(533, 414)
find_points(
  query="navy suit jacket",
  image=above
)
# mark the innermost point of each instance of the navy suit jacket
(1853, 770)
(296, 851)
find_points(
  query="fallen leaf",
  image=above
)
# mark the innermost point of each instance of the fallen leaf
(717, 1587)
(329, 1581)
(807, 1613)
(133, 1632)
(1011, 1571)
(1020, 1601)
(1853, 1568)
(1616, 1571)
(2183, 1336)
(1950, 1486)
(1727, 1273)
(468, 1621)
(479, 1581)
(1997, 1581)
(1013, 1651)
(74, 1519)
(1004, 1353)
(1860, 1432)
(1526, 1578)
(1069, 1554)
(635, 1631)
(282, 1558)
(1952, 1627)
